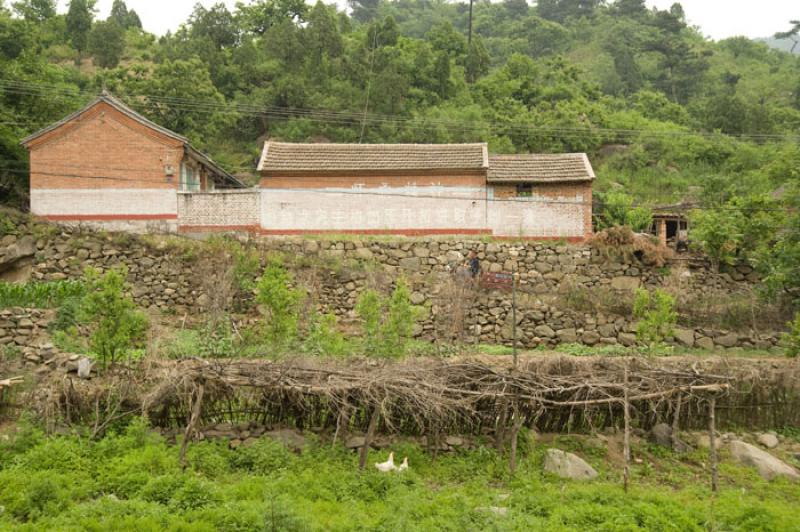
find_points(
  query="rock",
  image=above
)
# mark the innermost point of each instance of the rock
(84, 368)
(567, 336)
(363, 253)
(545, 331)
(422, 252)
(590, 337)
(705, 442)
(684, 337)
(235, 444)
(203, 301)
(768, 440)
(627, 339)
(501, 511)
(704, 342)
(567, 465)
(417, 298)
(625, 283)
(410, 263)
(454, 441)
(768, 466)
(661, 434)
(727, 340)
(290, 438)
(354, 442)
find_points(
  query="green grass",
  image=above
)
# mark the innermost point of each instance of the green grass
(35, 294)
(133, 481)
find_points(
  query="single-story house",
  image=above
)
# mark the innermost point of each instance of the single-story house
(423, 189)
(109, 165)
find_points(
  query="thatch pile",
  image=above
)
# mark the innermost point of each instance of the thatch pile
(432, 396)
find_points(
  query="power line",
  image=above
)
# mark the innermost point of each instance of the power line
(353, 119)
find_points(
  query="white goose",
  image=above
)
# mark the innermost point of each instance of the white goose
(386, 466)
(403, 466)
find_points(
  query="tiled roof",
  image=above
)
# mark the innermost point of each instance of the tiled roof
(284, 156)
(541, 168)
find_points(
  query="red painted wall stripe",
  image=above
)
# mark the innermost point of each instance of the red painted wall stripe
(106, 217)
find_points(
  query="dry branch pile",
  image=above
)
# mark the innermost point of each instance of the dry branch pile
(431, 396)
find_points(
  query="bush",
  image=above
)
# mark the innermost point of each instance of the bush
(617, 209)
(280, 302)
(323, 337)
(116, 326)
(656, 314)
(792, 338)
(717, 234)
(388, 325)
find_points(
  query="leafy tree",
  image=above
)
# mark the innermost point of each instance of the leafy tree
(618, 209)
(792, 34)
(477, 63)
(280, 302)
(322, 33)
(216, 24)
(107, 43)
(35, 10)
(792, 338)
(123, 17)
(79, 24)
(116, 326)
(560, 10)
(717, 233)
(387, 325)
(656, 314)
(259, 16)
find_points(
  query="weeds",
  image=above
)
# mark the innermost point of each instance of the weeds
(35, 294)
(792, 338)
(656, 314)
(387, 324)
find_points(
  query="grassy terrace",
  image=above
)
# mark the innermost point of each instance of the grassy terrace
(132, 480)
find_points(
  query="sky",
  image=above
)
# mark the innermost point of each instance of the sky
(717, 19)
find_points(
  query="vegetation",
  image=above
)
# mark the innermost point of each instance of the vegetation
(281, 304)
(793, 338)
(34, 294)
(133, 480)
(656, 314)
(387, 324)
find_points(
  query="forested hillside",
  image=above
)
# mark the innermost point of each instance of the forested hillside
(659, 108)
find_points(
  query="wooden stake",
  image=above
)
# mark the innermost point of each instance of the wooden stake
(191, 427)
(712, 440)
(626, 475)
(519, 420)
(342, 423)
(373, 423)
(676, 422)
(500, 430)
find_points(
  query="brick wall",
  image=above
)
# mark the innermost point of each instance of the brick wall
(558, 210)
(229, 209)
(105, 167)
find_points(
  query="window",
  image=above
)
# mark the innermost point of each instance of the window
(524, 190)
(190, 179)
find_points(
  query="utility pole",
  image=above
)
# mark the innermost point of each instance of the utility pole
(514, 314)
(469, 32)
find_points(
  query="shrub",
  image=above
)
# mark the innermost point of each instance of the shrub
(617, 209)
(656, 314)
(280, 302)
(323, 337)
(717, 234)
(792, 338)
(116, 325)
(388, 325)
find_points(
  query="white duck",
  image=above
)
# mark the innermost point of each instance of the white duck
(403, 466)
(386, 466)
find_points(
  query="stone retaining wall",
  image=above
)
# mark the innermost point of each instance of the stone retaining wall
(166, 277)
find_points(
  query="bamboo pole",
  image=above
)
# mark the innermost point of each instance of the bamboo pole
(373, 423)
(712, 439)
(519, 420)
(626, 474)
(191, 426)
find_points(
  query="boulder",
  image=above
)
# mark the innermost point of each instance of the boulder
(768, 440)
(625, 283)
(545, 331)
(567, 336)
(410, 263)
(727, 340)
(567, 465)
(590, 337)
(704, 342)
(768, 466)
(661, 434)
(290, 438)
(627, 339)
(684, 337)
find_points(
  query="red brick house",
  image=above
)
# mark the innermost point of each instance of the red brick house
(108, 165)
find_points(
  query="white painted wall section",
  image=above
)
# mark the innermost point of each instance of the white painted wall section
(104, 202)
(538, 216)
(377, 209)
